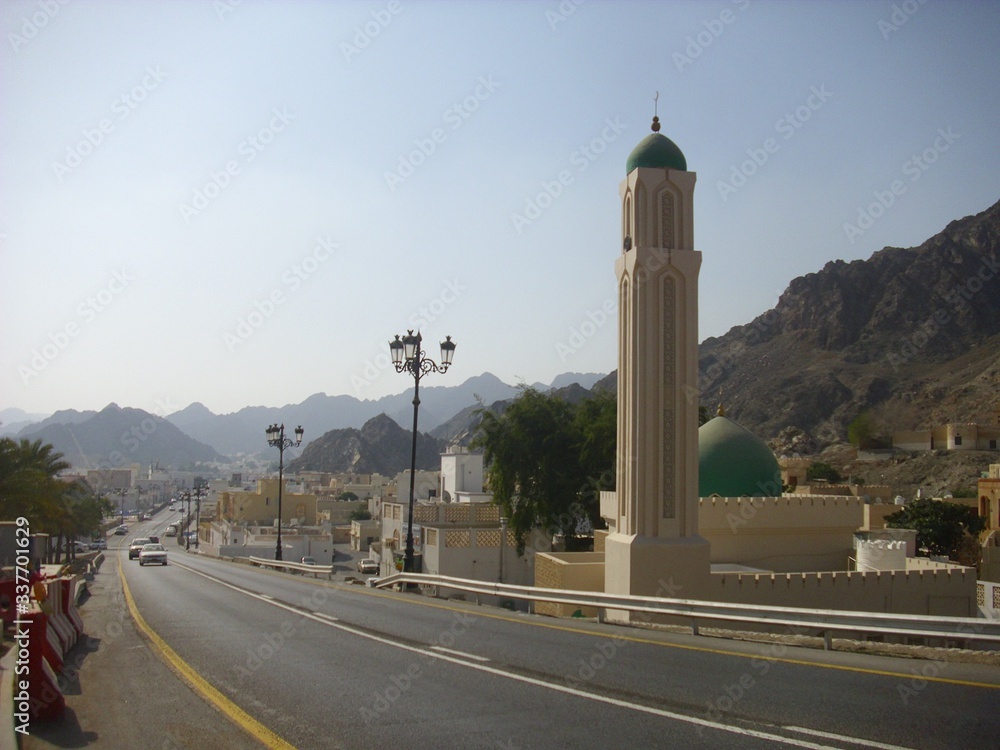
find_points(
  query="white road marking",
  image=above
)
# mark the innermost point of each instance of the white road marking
(436, 653)
(463, 654)
(842, 738)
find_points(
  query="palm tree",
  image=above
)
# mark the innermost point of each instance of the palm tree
(29, 486)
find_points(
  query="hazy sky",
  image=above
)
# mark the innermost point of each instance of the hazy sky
(242, 202)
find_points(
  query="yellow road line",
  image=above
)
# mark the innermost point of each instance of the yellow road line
(201, 686)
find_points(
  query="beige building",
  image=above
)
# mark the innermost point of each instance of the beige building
(952, 437)
(261, 506)
(989, 497)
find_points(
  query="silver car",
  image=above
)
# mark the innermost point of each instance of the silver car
(153, 554)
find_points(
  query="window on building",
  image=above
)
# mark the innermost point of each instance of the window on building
(958, 439)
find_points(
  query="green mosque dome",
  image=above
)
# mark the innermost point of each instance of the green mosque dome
(732, 462)
(657, 151)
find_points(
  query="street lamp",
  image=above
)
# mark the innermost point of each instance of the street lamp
(503, 542)
(197, 519)
(276, 439)
(187, 521)
(407, 356)
(122, 507)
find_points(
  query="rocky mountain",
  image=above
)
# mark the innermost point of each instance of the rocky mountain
(116, 437)
(380, 446)
(13, 421)
(243, 431)
(910, 335)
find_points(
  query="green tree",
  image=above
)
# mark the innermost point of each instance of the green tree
(30, 487)
(347, 496)
(820, 470)
(359, 514)
(865, 432)
(941, 526)
(28, 484)
(547, 460)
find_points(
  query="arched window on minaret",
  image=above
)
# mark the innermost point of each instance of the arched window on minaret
(627, 223)
(639, 238)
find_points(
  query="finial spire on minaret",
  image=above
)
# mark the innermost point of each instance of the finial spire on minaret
(656, 119)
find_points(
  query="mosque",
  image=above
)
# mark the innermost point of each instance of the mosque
(699, 513)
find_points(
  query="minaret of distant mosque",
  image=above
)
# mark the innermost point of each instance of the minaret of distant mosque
(655, 548)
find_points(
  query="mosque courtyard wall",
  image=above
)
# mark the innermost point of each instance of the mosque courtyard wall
(924, 588)
(782, 534)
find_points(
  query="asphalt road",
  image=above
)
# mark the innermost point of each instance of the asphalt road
(325, 665)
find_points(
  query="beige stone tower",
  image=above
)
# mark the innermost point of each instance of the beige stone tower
(654, 548)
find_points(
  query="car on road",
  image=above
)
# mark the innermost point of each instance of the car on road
(121, 530)
(75, 547)
(171, 530)
(308, 560)
(99, 544)
(153, 554)
(136, 546)
(367, 566)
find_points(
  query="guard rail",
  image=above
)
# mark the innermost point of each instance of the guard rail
(264, 562)
(821, 621)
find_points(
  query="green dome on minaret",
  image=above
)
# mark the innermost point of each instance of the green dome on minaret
(657, 151)
(733, 462)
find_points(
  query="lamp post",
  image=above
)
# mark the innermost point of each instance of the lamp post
(187, 521)
(122, 506)
(503, 542)
(197, 519)
(407, 356)
(276, 439)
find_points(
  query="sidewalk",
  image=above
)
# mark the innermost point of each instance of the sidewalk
(120, 695)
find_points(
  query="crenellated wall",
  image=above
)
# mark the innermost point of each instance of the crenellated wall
(783, 534)
(925, 588)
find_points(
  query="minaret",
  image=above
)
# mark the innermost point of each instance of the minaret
(655, 548)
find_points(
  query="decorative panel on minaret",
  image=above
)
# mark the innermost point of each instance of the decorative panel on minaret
(668, 465)
(667, 220)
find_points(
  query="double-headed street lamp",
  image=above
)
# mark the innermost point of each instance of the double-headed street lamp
(276, 439)
(407, 356)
